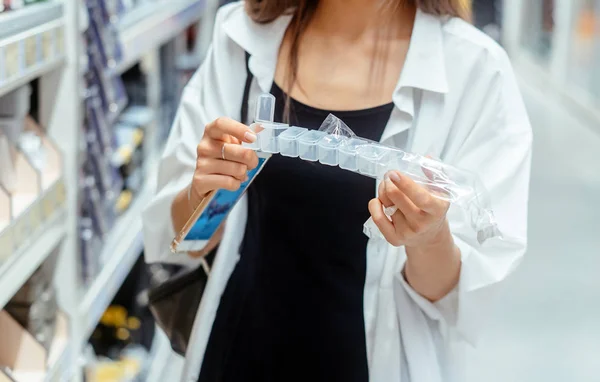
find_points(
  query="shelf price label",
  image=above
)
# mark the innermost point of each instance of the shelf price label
(60, 193)
(60, 40)
(12, 59)
(35, 215)
(49, 203)
(6, 243)
(31, 51)
(50, 200)
(48, 44)
(21, 230)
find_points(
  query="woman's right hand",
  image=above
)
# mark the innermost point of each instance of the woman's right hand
(222, 161)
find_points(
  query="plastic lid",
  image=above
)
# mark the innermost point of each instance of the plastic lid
(265, 108)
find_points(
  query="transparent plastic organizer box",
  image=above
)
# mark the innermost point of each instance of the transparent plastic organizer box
(334, 144)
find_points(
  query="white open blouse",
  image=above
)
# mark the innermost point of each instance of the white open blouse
(457, 99)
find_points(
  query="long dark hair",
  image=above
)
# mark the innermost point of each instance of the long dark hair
(265, 11)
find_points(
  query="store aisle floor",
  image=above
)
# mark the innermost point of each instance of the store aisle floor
(546, 327)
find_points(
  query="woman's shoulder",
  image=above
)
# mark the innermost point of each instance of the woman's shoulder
(472, 48)
(233, 9)
(234, 24)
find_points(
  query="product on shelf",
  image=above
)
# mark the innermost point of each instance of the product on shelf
(6, 237)
(21, 354)
(22, 357)
(130, 155)
(16, 103)
(14, 107)
(113, 349)
(30, 173)
(8, 176)
(20, 55)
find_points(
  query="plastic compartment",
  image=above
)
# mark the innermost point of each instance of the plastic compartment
(269, 137)
(264, 114)
(16, 103)
(348, 159)
(288, 141)
(373, 160)
(328, 149)
(257, 128)
(265, 108)
(307, 145)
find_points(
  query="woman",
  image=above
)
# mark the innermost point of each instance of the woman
(297, 292)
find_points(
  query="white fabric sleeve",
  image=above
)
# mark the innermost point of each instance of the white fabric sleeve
(175, 172)
(498, 149)
(214, 91)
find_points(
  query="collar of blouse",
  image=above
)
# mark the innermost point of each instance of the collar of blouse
(424, 68)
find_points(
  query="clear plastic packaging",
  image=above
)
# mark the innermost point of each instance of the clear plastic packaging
(288, 141)
(269, 139)
(334, 144)
(307, 145)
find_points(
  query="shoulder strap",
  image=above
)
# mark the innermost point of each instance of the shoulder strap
(249, 77)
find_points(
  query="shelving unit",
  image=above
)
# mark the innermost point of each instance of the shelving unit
(21, 265)
(153, 25)
(25, 48)
(160, 357)
(27, 55)
(121, 250)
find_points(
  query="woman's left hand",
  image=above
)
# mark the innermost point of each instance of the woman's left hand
(420, 218)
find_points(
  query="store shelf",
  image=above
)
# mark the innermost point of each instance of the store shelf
(159, 358)
(154, 24)
(21, 265)
(61, 369)
(30, 75)
(121, 250)
(31, 44)
(29, 18)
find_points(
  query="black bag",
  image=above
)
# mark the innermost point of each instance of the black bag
(175, 302)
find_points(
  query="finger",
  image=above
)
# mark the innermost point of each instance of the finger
(400, 200)
(382, 195)
(401, 224)
(222, 167)
(418, 195)
(224, 128)
(216, 181)
(210, 148)
(382, 222)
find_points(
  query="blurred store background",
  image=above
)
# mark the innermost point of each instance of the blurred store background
(546, 327)
(88, 91)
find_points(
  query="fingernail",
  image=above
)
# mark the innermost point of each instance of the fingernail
(394, 176)
(250, 136)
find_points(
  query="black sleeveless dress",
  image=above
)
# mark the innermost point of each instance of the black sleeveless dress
(292, 309)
